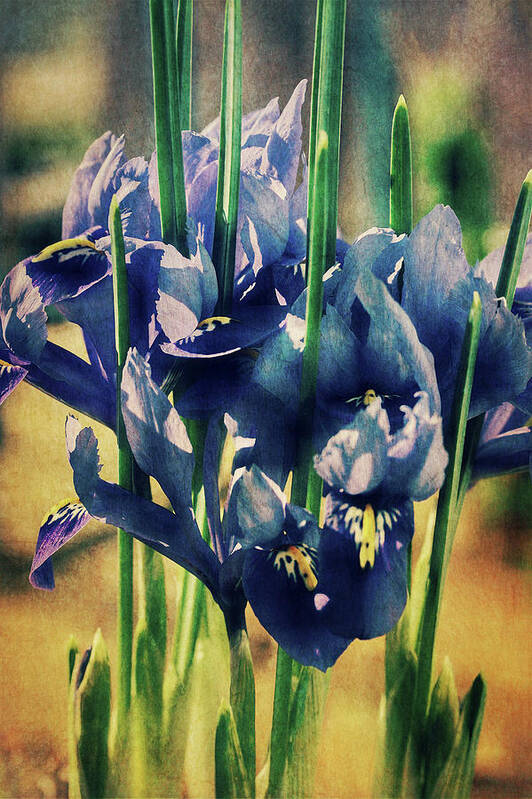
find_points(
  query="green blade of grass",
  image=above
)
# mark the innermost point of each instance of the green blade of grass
(446, 513)
(184, 29)
(228, 187)
(401, 171)
(125, 468)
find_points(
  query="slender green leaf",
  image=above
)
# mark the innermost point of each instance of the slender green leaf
(456, 779)
(163, 126)
(125, 468)
(242, 699)
(184, 30)
(314, 110)
(401, 213)
(442, 724)
(228, 187)
(306, 717)
(91, 713)
(230, 771)
(280, 731)
(309, 371)
(445, 515)
(72, 653)
(394, 728)
(167, 124)
(515, 244)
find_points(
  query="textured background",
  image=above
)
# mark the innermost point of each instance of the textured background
(68, 71)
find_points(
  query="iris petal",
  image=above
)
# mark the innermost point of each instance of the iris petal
(286, 608)
(156, 434)
(364, 601)
(59, 526)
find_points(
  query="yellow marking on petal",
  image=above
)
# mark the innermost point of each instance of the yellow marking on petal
(528, 422)
(367, 546)
(211, 322)
(60, 509)
(67, 244)
(369, 397)
(297, 557)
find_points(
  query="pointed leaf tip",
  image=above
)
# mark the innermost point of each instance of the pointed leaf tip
(401, 104)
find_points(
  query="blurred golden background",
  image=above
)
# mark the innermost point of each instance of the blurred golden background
(69, 71)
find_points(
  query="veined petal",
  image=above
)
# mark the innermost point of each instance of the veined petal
(22, 315)
(362, 253)
(221, 335)
(10, 377)
(363, 560)
(394, 357)
(281, 153)
(76, 216)
(67, 268)
(133, 197)
(355, 459)
(508, 452)
(174, 535)
(287, 608)
(59, 526)
(156, 434)
(417, 458)
(103, 186)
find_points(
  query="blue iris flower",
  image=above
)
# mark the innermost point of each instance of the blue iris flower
(171, 298)
(427, 272)
(166, 291)
(378, 434)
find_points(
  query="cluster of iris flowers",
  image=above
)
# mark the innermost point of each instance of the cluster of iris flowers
(395, 309)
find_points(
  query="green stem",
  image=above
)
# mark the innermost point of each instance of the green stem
(228, 187)
(184, 31)
(446, 513)
(401, 213)
(280, 723)
(125, 464)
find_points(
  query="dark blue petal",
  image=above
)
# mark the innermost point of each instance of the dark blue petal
(509, 452)
(175, 536)
(395, 361)
(286, 608)
(59, 526)
(156, 434)
(66, 269)
(76, 217)
(355, 459)
(340, 358)
(364, 601)
(221, 335)
(10, 377)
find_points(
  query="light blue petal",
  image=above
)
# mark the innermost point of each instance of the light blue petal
(103, 186)
(156, 434)
(490, 266)
(256, 507)
(281, 154)
(76, 217)
(355, 459)
(416, 456)
(362, 253)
